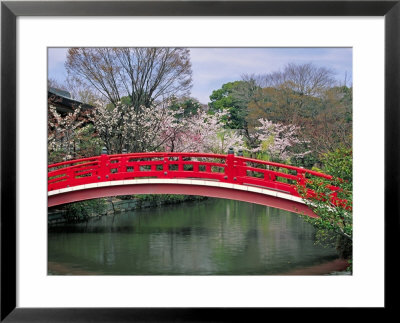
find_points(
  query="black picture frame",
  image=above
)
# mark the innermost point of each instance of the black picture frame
(10, 10)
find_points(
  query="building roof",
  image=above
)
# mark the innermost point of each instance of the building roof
(60, 92)
(62, 101)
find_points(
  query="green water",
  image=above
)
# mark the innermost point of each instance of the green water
(211, 237)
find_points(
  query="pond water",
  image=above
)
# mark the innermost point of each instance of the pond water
(211, 237)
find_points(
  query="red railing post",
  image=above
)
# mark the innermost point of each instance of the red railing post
(166, 166)
(239, 170)
(103, 173)
(230, 166)
(122, 162)
(180, 163)
(71, 177)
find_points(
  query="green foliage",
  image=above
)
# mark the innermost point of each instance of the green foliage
(88, 143)
(324, 113)
(233, 97)
(335, 217)
(154, 200)
(81, 211)
(222, 97)
(164, 199)
(190, 106)
(55, 156)
(339, 164)
(125, 100)
(307, 161)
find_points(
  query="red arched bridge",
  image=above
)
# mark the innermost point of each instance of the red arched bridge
(214, 175)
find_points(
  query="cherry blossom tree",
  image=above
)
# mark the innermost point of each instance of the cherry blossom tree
(159, 128)
(204, 132)
(145, 129)
(227, 138)
(61, 133)
(277, 140)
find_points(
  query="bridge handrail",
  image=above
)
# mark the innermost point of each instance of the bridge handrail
(274, 164)
(75, 161)
(58, 169)
(169, 154)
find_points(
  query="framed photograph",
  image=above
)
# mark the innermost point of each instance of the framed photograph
(223, 52)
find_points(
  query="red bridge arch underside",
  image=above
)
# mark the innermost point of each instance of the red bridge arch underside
(168, 188)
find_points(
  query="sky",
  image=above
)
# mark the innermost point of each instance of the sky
(213, 67)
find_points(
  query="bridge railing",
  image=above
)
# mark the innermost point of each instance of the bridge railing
(136, 165)
(272, 175)
(217, 167)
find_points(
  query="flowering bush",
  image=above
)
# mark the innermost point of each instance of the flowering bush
(277, 140)
(159, 128)
(335, 214)
(61, 134)
(162, 129)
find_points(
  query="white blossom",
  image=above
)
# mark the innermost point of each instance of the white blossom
(61, 131)
(277, 140)
(161, 129)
